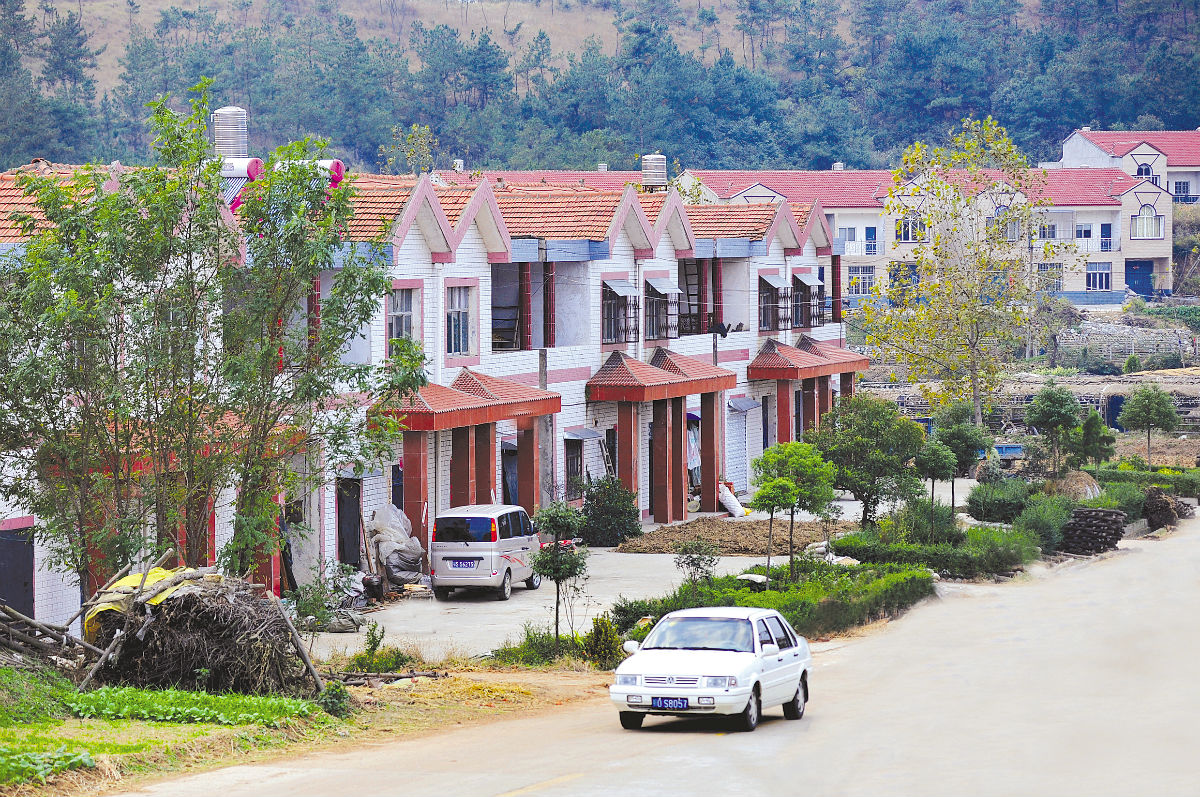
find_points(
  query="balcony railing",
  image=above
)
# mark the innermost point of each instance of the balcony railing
(1186, 199)
(860, 248)
(1097, 244)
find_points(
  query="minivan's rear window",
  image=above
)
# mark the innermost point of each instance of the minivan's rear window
(464, 529)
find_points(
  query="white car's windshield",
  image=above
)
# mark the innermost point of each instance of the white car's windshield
(701, 633)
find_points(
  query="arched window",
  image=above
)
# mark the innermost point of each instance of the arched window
(1146, 224)
(1144, 170)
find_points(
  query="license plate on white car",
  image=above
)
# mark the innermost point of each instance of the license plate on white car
(462, 564)
(669, 703)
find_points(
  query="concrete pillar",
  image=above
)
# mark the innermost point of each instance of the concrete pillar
(528, 469)
(416, 484)
(485, 463)
(824, 395)
(664, 461)
(784, 411)
(710, 451)
(846, 386)
(679, 473)
(462, 465)
(809, 389)
(627, 447)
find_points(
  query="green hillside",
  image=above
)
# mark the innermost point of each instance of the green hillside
(718, 83)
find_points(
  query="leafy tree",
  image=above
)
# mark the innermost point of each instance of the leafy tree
(953, 427)
(697, 558)
(1149, 407)
(1054, 412)
(773, 495)
(1132, 364)
(935, 461)
(957, 314)
(558, 562)
(870, 445)
(1092, 441)
(812, 476)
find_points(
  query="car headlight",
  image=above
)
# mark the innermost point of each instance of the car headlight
(719, 681)
(627, 680)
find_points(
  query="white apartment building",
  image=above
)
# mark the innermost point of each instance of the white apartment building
(1168, 158)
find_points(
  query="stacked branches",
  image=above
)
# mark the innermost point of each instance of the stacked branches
(1092, 531)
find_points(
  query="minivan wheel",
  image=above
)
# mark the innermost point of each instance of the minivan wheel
(441, 593)
(748, 719)
(533, 582)
(632, 720)
(505, 590)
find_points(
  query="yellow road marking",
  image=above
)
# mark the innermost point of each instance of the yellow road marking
(539, 786)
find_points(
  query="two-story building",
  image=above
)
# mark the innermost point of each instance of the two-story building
(1168, 158)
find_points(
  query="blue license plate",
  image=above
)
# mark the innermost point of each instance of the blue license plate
(669, 703)
(462, 564)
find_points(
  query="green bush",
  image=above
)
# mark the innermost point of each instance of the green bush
(377, 657)
(19, 767)
(986, 551)
(1127, 497)
(175, 705)
(824, 597)
(32, 695)
(927, 524)
(602, 645)
(1187, 484)
(335, 699)
(998, 503)
(1044, 516)
(537, 647)
(610, 513)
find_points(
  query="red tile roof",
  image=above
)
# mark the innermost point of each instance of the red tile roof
(13, 200)
(454, 201)
(562, 215)
(652, 204)
(1182, 147)
(807, 360)
(732, 221)
(495, 389)
(474, 398)
(377, 203)
(801, 210)
(611, 181)
(849, 188)
(623, 378)
(1086, 186)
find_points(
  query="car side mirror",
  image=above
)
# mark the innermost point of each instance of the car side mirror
(770, 649)
(630, 646)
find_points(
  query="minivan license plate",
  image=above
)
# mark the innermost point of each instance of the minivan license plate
(462, 564)
(669, 703)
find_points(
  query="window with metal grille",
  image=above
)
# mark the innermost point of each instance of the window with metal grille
(458, 320)
(573, 455)
(399, 316)
(619, 317)
(662, 315)
(808, 304)
(774, 307)
(1050, 276)
(862, 280)
(1099, 277)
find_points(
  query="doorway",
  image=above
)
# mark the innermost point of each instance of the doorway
(349, 521)
(16, 570)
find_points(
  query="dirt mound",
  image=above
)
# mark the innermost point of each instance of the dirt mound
(1076, 485)
(732, 537)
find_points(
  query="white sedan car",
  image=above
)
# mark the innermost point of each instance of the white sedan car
(722, 660)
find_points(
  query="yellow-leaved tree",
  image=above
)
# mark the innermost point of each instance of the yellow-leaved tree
(974, 247)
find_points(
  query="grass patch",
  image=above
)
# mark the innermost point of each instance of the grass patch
(536, 647)
(32, 695)
(174, 705)
(986, 551)
(824, 598)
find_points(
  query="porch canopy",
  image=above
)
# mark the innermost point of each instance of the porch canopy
(665, 381)
(470, 408)
(807, 360)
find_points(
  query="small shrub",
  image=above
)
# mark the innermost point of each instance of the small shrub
(324, 593)
(697, 558)
(377, 657)
(602, 645)
(998, 503)
(1127, 497)
(538, 647)
(335, 699)
(639, 632)
(610, 512)
(1045, 516)
(990, 472)
(986, 550)
(1132, 364)
(928, 524)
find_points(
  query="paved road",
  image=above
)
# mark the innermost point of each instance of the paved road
(1077, 682)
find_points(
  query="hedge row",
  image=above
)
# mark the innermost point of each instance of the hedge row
(1187, 484)
(987, 551)
(827, 598)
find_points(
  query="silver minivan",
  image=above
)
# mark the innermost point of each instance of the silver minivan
(484, 546)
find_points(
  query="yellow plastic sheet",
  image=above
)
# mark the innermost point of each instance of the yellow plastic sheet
(119, 601)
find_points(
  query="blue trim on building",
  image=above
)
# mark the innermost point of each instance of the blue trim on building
(704, 248)
(575, 250)
(1093, 297)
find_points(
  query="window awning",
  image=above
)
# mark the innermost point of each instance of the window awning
(582, 433)
(664, 285)
(621, 287)
(774, 280)
(743, 404)
(811, 280)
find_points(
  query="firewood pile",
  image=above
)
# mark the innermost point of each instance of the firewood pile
(1093, 531)
(1162, 509)
(24, 640)
(210, 632)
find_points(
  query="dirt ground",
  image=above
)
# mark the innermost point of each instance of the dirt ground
(1164, 449)
(732, 537)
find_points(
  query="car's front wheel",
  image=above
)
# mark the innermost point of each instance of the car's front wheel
(794, 708)
(632, 720)
(504, 592)
(748, 719)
